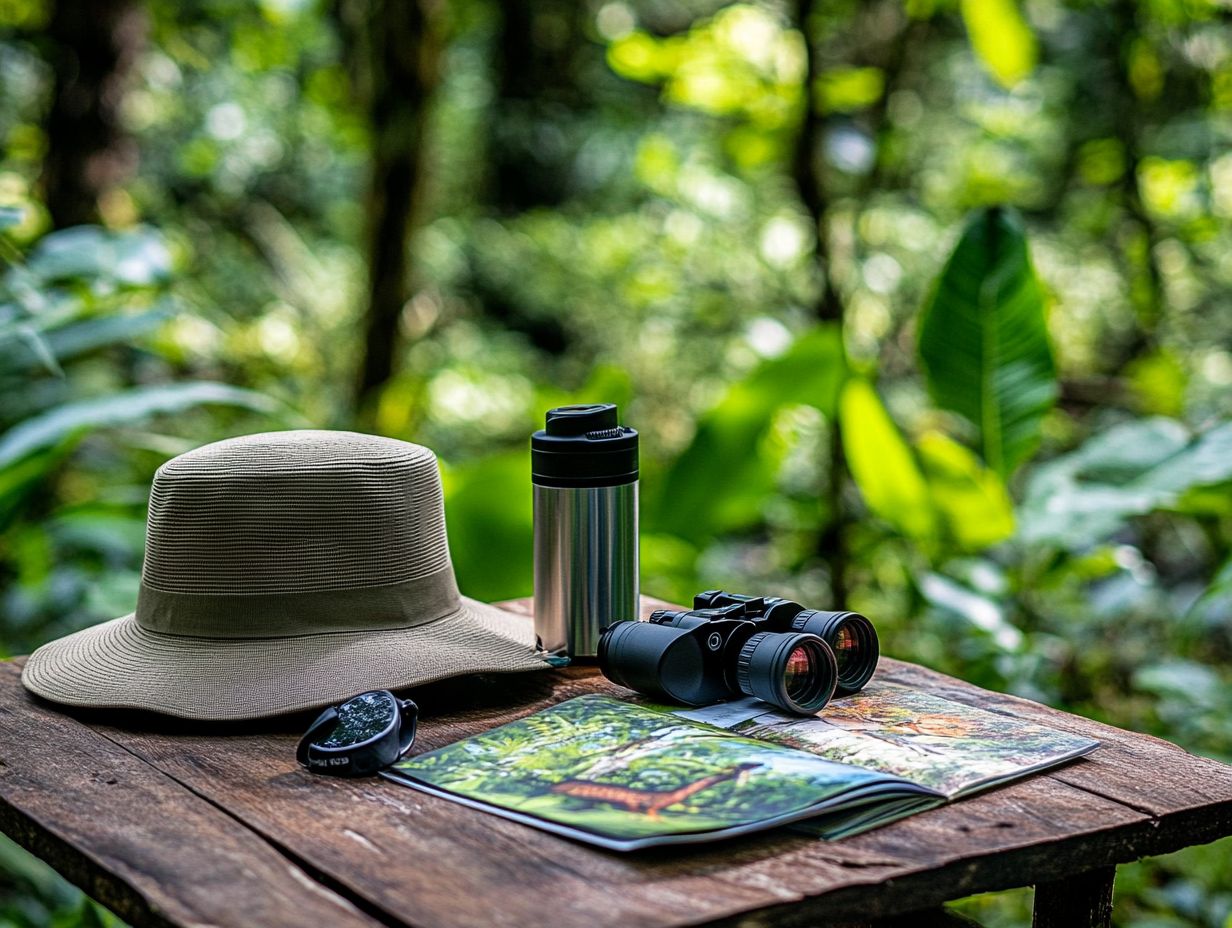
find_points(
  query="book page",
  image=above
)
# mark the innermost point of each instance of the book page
(629, 776)
(946, 746)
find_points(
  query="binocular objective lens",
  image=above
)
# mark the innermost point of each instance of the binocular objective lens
(852, 638)
(797, 673)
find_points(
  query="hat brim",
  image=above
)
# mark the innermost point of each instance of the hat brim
(121, 665)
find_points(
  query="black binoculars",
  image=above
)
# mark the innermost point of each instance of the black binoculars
(730, 644)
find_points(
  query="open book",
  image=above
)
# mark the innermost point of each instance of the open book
(626, 776)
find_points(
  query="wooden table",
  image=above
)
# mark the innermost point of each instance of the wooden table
(169, 823)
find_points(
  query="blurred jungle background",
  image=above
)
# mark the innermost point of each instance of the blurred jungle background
(923, 307)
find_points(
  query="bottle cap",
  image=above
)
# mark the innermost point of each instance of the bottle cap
(583, 446)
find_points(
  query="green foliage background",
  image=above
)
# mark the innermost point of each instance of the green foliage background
(975, 375)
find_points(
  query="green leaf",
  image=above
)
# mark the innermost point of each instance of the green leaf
(846, 90)
(488, 503)
(123, 408)
(19, 480)
(1158, 382)
(980, 610)
(1001, 38)
(1220, 589)
(76, 338)
(1189, 681)
(137, 257)
(720, 479)
(971, 498)
(1083, 497)
(984, 341)
(39, 349)
(881, 463)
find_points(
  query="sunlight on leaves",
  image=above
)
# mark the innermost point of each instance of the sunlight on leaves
(1158, 382)
(845, 90)
(971, 498)
(1001, 38)
(741, 62)
(722, 477)
(882, 464)
(1169, 188)
(982, 612)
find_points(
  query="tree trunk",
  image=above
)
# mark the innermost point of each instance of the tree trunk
(1147, 296)
(888, 52)
(95, 44)
(807, 172)
(394, 52)
(541, 97)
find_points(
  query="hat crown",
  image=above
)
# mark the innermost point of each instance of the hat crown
(295, 512)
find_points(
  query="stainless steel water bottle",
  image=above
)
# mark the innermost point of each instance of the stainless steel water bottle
(584, 471)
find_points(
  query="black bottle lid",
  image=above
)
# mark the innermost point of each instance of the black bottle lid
(583, 446)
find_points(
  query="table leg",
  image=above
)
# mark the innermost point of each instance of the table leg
(1083, 900)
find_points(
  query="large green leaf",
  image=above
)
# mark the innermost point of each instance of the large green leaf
(984, 341)
(128, 406)
(881, 463)
(971, 499)
(720, 479)
(1083, 497)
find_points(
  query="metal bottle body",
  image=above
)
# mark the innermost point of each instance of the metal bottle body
(586, 564)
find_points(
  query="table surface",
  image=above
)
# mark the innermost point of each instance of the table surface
(173, 823)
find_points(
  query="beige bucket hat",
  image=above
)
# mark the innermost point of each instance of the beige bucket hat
(286, 571)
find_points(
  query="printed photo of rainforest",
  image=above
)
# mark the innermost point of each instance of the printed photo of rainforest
(944, 745)
(608, 766)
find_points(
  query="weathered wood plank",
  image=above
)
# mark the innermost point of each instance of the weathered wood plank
(422, 861)
(136, 840)
(1083, 900)
(458, 866)
(1036, 830)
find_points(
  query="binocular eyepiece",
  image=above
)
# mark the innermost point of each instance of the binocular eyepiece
(731, 644)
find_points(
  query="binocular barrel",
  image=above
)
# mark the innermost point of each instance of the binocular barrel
(659, 661)
(731, 644)
(853, 640)
(850, 635)
(794, 672)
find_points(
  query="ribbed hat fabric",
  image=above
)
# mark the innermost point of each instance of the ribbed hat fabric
(286, 571)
